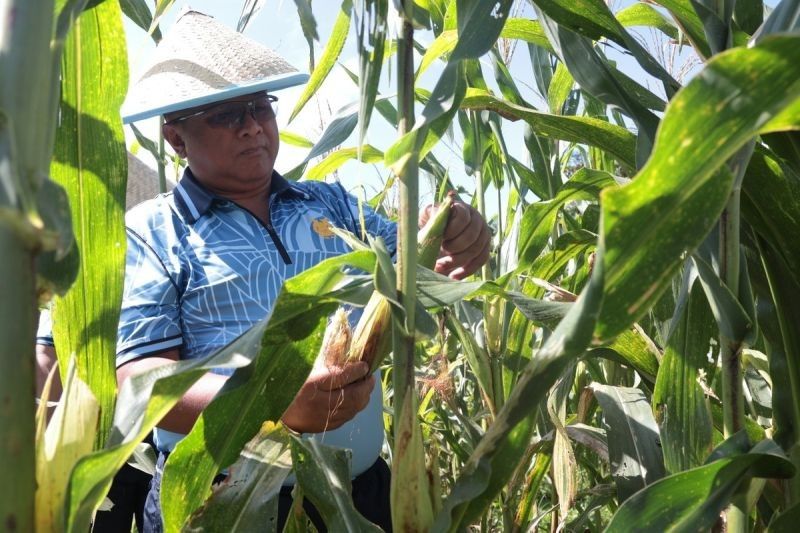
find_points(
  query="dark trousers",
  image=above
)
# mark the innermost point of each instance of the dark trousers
(128, 493)
(370, 497)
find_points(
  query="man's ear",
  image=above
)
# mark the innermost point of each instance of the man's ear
(175, 139)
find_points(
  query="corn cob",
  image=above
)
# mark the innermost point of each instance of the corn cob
(372, 336)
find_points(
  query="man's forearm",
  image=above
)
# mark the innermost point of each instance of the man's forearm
(183, 416)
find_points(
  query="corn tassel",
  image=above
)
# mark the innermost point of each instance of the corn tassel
(372, 338)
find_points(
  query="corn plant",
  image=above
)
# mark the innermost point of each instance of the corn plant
(626, 360)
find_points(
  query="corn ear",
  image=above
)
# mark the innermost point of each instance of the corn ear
(372, 337)
(430, 237)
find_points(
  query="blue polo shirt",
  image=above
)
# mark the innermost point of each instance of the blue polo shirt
(201, 270)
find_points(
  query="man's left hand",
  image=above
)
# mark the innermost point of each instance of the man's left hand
(467, 240)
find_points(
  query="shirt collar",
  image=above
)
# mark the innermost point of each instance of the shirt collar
(194, 200)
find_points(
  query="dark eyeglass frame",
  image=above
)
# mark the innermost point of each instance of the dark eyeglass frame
(244, 107)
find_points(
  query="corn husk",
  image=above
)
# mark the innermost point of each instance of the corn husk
(372, 337)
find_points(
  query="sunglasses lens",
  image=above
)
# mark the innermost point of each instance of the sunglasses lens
(233, 115)
(228, 116)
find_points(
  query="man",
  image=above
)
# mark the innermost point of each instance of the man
(205, 263)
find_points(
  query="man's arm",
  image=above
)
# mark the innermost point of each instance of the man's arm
(329, 397)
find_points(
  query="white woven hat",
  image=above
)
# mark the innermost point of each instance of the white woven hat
(201, 61)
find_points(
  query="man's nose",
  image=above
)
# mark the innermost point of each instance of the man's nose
(248, 121)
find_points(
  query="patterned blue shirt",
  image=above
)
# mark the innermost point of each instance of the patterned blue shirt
(201, 270)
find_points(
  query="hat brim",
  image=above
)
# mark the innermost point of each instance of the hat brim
(274, 83)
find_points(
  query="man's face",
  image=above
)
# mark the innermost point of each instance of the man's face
(231, 146)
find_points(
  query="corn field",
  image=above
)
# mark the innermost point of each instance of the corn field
(629, 359)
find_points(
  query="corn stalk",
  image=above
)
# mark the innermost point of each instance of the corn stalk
(403, 337)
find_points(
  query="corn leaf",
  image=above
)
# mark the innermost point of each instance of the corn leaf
(248, 498)
(330, 55)
(90, 163)
(633, 439)
(371, 26)
(687, 19)
(705, 124)
(593, 73)
(139, 13)
(367, 153)
(323, 472)
(646, 15)
(696, 497)
(540, 217)
(69, 436)
(595, 132)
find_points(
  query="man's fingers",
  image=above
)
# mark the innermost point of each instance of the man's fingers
(461, 216)
(472, 237)
(337, 377)
(462, 265)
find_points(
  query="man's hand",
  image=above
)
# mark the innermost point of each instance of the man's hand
(466, 240)
(330, 397)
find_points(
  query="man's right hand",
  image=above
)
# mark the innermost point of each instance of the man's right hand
(330, 397)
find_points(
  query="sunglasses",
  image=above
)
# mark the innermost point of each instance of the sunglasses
(232, 115)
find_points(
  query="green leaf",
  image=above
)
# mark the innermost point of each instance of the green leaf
(638, 351)
(334, 160)
(308, 24)
(371, 26)
(560, 87)
(769, 177)
(162, 6)
(786, 521)
(646, 15)
(687, 19)
(479, 24)
(477, 357)
(540, 217)
(139, 12)
(595, 132)
(323, 472)
(248, 499)
(330, 55)
(785, 18)
(696, 497)
(339, 129)
(651, 222)
(633, 439)
(684, 418)
(731, 317)
(295, 139)
(90, 162)
(58, 266)
(749, 15)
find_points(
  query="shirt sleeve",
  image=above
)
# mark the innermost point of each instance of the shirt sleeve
(149, 321)
(44, 332)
